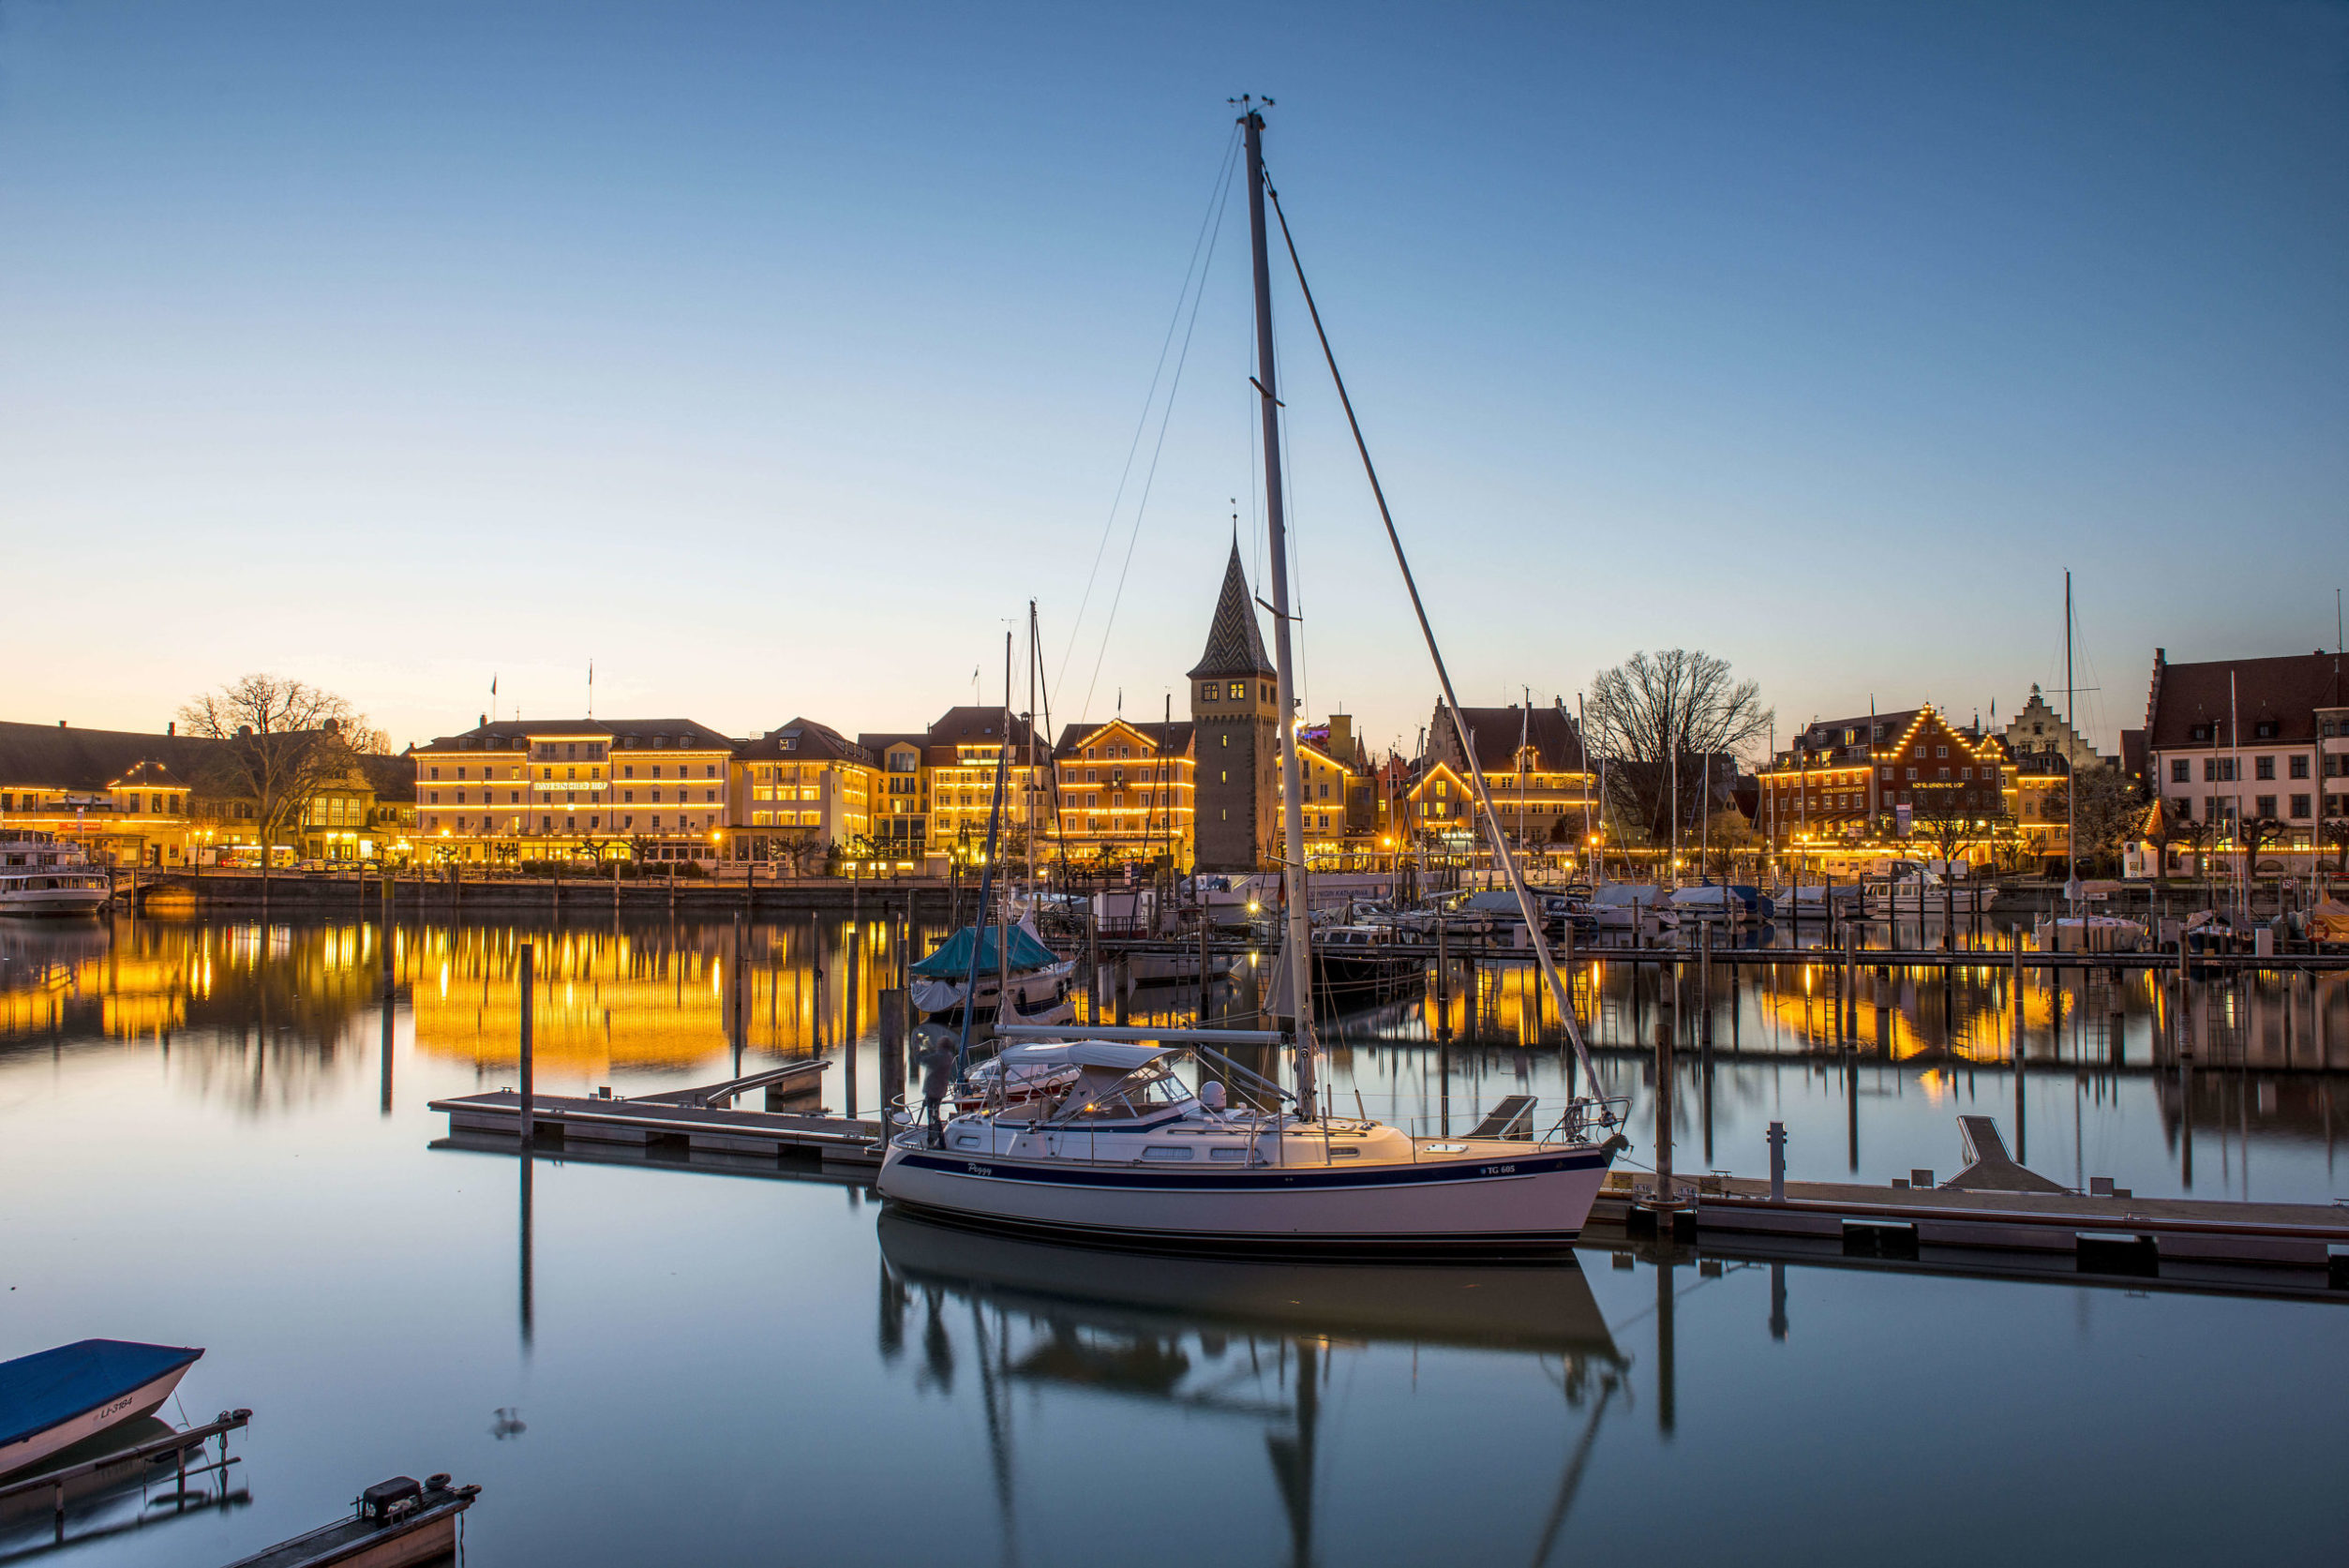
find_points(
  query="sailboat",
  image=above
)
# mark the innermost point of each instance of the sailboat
(1130, 1153)
(1038, 978)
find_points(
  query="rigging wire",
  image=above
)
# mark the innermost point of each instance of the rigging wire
(1209, 220)
(1443, 680)
(1166, 418)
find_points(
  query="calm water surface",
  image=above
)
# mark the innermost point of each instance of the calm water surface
(203, 1140)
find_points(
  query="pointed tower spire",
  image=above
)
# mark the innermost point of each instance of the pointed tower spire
(1236, 646)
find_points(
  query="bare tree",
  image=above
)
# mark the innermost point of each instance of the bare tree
(1653, 705)
(2256, 833)
(2335, 834)
(2193, 834)
(2104, 808)
(276, 742)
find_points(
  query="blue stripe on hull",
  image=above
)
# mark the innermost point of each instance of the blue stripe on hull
(1273, 1178)
(1495, 1247)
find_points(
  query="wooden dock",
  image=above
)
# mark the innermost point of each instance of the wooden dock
(681, 1123)
(2268, 1248)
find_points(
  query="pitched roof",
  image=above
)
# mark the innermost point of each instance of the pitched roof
(1496, 732)
(974, 726)
(2284, 691)
(394, 778)
(1235, 645)
(54, 756)
(803, 739)
(503, 734)
(880, 741)
(1177, 735)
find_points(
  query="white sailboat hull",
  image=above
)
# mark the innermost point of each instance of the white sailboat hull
(1032, 990)
(1501, 1197)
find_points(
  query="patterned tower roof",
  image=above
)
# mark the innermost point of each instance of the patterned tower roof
(1234, 646)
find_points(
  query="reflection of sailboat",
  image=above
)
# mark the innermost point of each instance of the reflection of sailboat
(1542, 1307)
(1241, 1340)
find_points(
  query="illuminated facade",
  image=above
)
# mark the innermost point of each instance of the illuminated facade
(798, 790)
(958, 775)
(1866, 783)
(656, 789)
(1126, 792)
(1543, 789)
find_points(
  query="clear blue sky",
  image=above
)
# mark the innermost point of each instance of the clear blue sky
(774, 356)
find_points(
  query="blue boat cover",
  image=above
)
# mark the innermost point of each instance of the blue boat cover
(951, 962)
(36, 1392)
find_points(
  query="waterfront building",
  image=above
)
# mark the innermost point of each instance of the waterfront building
(1340, 802)
(127, 798)
(798, 790)
(958, 763)
(1124, 792)
(901, 800)
(1543, 787)
(2040, 731)
(1236, 715)
(1865, 785)
(2248, 748)
(653, 789)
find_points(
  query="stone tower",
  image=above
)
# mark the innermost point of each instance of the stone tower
(1237, 737)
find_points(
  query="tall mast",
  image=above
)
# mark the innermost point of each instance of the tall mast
(1300, 930)
(2070, 767)
(1028, 798)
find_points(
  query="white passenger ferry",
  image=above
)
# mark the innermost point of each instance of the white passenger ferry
(43, 875)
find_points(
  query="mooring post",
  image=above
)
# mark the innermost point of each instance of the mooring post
(1704, 985)
(893, 1046)
(1777, 1138)
(1202, 966)
(1442, 980)
(528, 1111)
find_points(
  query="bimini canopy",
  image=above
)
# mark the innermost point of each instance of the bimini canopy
(951, 962)
(1116, 1055)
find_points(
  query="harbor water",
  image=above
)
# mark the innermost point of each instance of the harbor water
(217, 1132)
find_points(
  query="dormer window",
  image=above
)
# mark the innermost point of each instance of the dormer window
(2201, 732)
(2263, 730)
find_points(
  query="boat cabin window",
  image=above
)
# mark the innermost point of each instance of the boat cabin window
(1105, 1094)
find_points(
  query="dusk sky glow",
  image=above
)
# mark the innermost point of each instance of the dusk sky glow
(774, 357)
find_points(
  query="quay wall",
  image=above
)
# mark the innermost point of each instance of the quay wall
(581, 897)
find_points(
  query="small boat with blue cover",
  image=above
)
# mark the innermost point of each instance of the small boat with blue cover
(55, 1398)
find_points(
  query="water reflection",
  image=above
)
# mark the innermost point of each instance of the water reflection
(2218, 1085)
(1256, 1344)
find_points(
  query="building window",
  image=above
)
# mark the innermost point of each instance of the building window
(2299, 805)
(2262, 805)
(2262, 768)
(1239, 690)
(2300, 767)
(1912, 773)
(2184, 807)
(2180, 771)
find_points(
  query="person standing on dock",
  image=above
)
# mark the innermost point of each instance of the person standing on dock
(937, 1078)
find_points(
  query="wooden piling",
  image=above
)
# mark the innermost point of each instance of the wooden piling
(529, 1115)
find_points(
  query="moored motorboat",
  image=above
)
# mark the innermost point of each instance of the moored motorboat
(43, 875)
(55, 1398)
(393, 1524)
